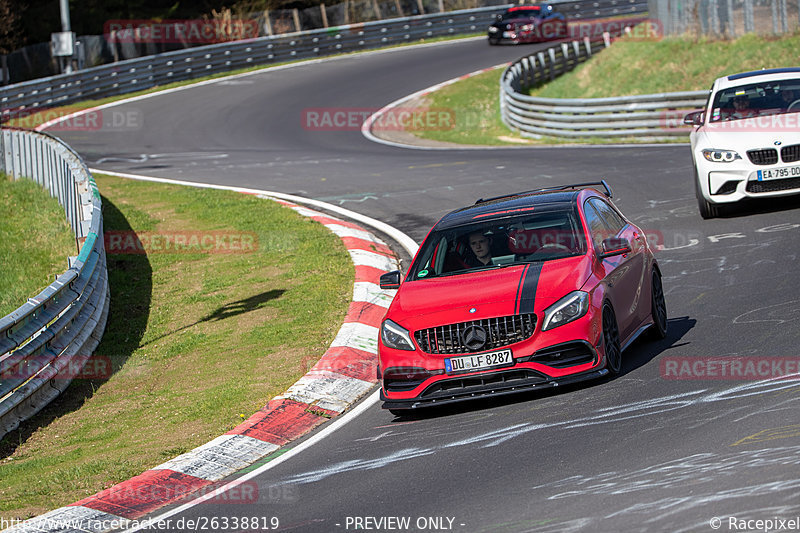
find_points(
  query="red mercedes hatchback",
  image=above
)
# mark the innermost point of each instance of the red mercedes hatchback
(517, 293)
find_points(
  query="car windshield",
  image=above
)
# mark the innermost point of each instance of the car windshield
(757, 99)
(522, 13)
(535, 237)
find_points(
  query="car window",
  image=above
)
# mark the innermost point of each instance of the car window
(596, 225)
(756, 99)
(612, 219)
(496, 243)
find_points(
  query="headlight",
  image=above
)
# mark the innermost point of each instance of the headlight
(571, 307)
(492, 29)
(720, 156)
(395, 336)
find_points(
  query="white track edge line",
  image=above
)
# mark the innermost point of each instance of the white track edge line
(404, 240)
(334, 426)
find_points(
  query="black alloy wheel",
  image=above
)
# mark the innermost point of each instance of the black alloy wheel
(659, 307)
(611, 341)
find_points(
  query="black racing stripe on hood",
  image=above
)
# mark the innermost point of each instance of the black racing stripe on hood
(518, 296)
(526, 297)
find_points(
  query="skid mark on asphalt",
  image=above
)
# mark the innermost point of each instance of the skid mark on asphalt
(777, 313)
(614, 414)
(784, 432)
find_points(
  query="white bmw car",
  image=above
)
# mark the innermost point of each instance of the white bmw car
(746, 142)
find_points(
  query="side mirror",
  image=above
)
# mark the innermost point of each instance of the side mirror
(695, 118)
(614, 246)
(390, 280)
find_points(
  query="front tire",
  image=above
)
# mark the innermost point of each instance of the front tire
(611, 341)
(706, 208)
(658, 307)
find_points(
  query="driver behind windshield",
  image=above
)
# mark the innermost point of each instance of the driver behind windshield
(480, 245)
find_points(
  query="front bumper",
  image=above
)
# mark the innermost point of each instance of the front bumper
(723, 183)
(500, 383)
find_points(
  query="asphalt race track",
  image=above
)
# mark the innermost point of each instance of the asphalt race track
(667, 446)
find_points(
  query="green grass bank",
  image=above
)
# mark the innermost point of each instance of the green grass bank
(35, 241)
(628, 67)
(196, 341)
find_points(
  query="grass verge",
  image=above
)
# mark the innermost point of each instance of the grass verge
(195, 342)
(35, 241)
(628, 67)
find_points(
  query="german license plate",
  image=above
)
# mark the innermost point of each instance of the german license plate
(778, 173)
(479, 361)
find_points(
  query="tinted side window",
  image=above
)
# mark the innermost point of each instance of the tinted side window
(612, 219)
(597, 227)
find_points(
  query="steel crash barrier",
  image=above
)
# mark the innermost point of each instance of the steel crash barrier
(46, 342)
(147, 72)
(648, 116)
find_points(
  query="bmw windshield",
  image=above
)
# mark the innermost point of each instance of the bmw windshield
(757, 99)
(497, 243)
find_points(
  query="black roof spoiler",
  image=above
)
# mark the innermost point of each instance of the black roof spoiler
(602, 183)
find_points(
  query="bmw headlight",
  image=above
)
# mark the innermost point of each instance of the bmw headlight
(492, 29)
(395, 336)
(720, 156)
(571, 307)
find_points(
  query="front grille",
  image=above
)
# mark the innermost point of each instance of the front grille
(500, 332)
(467, 384)
(765, 156)
(790, 154)
(773, 185)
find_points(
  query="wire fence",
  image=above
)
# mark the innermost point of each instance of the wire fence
(726, 18)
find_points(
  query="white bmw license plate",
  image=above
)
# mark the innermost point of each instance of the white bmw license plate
(479, 361)
(778, 173)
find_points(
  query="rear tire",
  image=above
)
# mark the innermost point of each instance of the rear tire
(658, 307)
(611, 341)
(398, 412)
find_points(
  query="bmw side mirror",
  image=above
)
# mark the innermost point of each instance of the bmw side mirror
(390, 280)
(614, 246)
(695, 118)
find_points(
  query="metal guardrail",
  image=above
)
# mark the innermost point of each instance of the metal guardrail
(147, 72)
(45, 343)
(649, 116)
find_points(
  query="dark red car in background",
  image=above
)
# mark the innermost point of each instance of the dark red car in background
(515, 293)
(528, 24)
